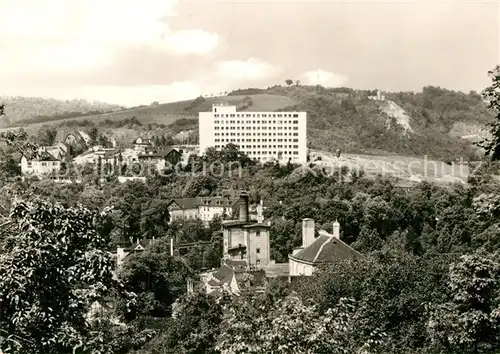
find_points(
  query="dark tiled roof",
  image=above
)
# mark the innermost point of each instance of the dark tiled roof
(215, 201)
(325, 249)
(224, 274)
(40, 155)
(185, 203)
(144, 243)
(158, 153)
(194, 203)
(62, 135)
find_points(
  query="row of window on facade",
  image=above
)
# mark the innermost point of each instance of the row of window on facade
(259, 140)
(257, 115)
(253, 122)
(255, 134)
(253, 127)
(267, 152)
(259, 146)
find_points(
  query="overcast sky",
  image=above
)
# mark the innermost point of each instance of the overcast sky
(134, 52)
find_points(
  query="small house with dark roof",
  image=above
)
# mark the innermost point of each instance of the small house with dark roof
(183, 209)
(122, 253)
(142, 144)
(315, 251)
(40, 163)
(73, 138)
(161, 158)
(234, 279)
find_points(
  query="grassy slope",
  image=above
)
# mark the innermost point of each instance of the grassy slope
(169, 112)
(166, 114)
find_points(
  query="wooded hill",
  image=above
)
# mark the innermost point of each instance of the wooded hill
(436, 122)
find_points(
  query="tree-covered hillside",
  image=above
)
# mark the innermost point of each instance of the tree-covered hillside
(346, 119)
(36, 109)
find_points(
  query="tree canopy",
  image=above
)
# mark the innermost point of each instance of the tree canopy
(492, 95)
(53, 267)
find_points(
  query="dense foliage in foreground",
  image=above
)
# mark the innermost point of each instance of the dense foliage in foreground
(431, 261)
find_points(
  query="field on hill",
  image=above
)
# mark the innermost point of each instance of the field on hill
(168, 113)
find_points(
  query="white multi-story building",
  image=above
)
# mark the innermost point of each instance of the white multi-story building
(264, 136)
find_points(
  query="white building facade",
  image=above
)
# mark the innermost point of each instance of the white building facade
(264, 136)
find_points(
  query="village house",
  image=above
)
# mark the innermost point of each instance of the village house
(239, 272)
(75, 140)
(77, 137)
(161, 158)
(142, 144)
(183, 209)
(106, 156)
(202, 208)
(122, 253)
(315, 251)
(234, 279)
(40, 163)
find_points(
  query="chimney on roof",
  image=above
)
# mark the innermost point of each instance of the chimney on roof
(307, 232)
(244, 215)
(336, 230)
(260, 216)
